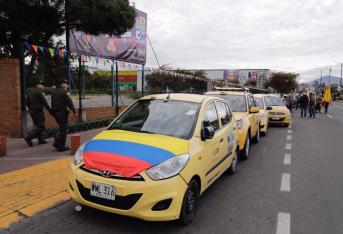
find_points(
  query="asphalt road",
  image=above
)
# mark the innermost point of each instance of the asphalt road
(292, 183)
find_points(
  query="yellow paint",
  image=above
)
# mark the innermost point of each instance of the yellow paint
(208, 169)
(32, 189)
(251, 121)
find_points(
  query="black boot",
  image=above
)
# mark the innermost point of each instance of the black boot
(28, 141)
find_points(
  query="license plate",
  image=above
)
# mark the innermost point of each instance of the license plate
(275, 118)
(105, 191)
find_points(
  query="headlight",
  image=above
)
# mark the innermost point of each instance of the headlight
(240, 124)
(78, 156)
(168, 168)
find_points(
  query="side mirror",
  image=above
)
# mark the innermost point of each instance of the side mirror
(207, 132)
(269, 108)
(253, 110)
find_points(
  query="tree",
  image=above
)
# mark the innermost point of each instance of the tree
(37, 21)
(283, 82)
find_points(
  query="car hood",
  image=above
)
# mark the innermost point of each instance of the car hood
(129, 153)
(282, 109)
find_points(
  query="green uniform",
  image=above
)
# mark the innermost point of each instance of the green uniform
(36, 101)
(60, 103)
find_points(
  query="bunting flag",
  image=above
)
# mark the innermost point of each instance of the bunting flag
(42, 49)
(35, 48)
(56, 52)
(82, 58)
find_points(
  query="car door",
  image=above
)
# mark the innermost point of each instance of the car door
(253, 118)
(215, 144)
(227, 131)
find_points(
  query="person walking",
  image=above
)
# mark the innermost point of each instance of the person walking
(312, 105)
(319, 103)
(61, 104)
(326, 106)
(303, 102)
(35, 102)
(289, 102)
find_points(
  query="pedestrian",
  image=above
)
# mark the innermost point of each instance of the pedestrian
(319, 103)
(61, 104)
(297, 101)
(35, 102)
(312, 105)
(289, 102)
(303, 102)
(326, 106)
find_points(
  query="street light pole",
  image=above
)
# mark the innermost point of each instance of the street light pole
(330, 77)
(340, 82)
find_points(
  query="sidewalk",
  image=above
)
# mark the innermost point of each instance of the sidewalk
(32, 179)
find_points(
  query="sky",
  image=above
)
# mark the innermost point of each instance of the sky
(300, 36)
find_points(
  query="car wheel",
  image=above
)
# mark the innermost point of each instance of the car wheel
(189, 203)
(244, 154)
(256, 138)
(233, 167)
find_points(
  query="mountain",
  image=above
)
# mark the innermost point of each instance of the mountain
(326, 79)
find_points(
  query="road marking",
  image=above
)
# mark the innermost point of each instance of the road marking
(283, 223)
(289, 137)
(289, 131)
(285, 182)
(287, 160)
(330, 116)
(288, 146)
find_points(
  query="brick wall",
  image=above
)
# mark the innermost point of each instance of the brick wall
(10, 104)
(92, 113)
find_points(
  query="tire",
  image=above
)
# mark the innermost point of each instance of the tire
(256, 138)
(287, 125)
(232, 169)
(244, 154)
(189, 203)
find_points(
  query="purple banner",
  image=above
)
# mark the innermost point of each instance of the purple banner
(129, 47)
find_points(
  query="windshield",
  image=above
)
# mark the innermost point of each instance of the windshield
(172, 118)
(237, 103)
(274, 101)
(259, 102)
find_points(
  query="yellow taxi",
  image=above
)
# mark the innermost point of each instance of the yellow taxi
(156, 158)
(278, 112)
(264, 114)
(246, 114)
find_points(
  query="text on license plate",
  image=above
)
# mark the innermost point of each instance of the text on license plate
(101, 190)
(275, 118)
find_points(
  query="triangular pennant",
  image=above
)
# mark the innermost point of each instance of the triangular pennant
(35, 48)
(82, 58)
(56, 52)
(42, 49)
(60, 52)
(28, 47)
(97, 60)
(51, 51)
(100, 60)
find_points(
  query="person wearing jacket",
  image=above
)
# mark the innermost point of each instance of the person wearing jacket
(303, 102)
(36, 102)
(312, 105)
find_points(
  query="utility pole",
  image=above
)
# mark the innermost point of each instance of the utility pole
(330, 77)
(321, 76)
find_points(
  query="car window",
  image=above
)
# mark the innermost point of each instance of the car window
(237, 102)
(172, 118)
(259, 102)
(223, 113)
(274, 101)
(251, 102)
(211, 116)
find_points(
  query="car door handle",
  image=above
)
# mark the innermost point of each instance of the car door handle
(221, 140)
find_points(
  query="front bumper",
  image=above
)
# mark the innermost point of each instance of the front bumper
(133, 198)
(264, 125)
(279, 119)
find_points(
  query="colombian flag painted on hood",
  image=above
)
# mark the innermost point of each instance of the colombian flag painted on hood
(129, 153)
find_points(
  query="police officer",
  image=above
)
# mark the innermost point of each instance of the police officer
(61, 103)
(36, 101)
